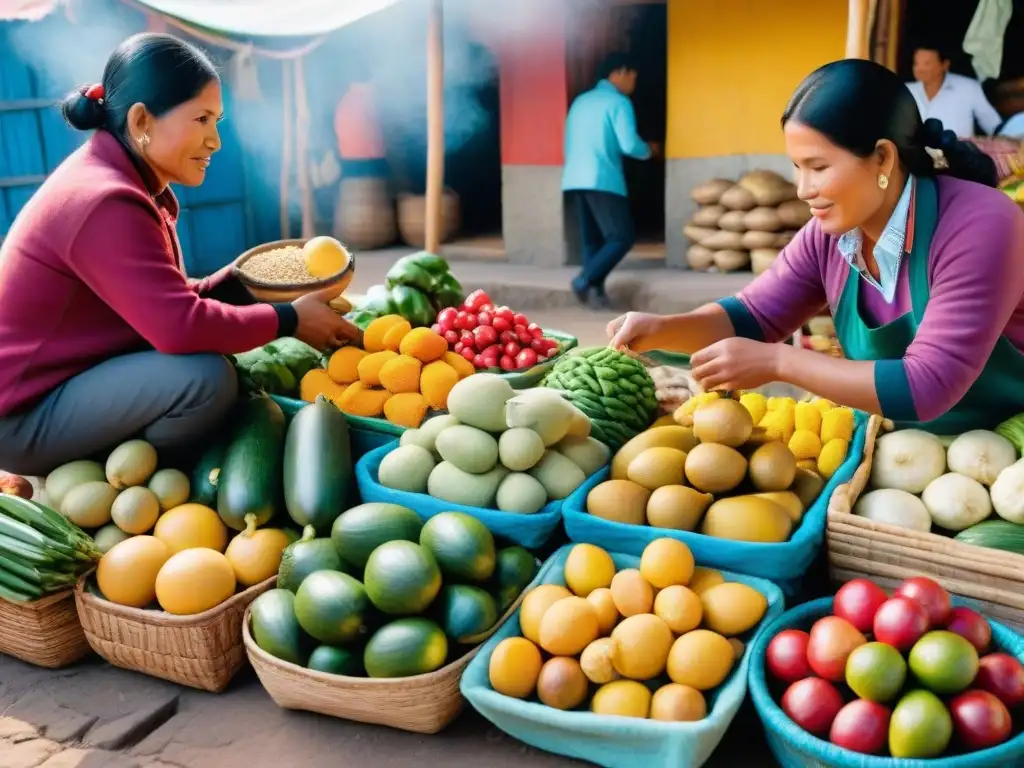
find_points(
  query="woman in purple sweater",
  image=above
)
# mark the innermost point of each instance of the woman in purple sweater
(918, 257)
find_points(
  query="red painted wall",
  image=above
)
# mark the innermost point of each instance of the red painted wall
(534, 92)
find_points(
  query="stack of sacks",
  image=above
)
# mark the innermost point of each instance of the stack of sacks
(743, 225)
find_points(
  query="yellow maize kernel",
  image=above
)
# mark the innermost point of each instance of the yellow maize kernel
(369, 367)
(436, 382)
(756, 404)
(343, 365)
(423, 344)
(393, 338)
(401, 374)
(406, 409)
(832, 455)
(837, 424)
(805, 444)
(360, 400)
(318, 382)
(824, 405)
(373, 336)
(806, 416)
(461, 365)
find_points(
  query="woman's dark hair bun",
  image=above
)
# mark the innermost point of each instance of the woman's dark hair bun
(856, 103)
(81, 112)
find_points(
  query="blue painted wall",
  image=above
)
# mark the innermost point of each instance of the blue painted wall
(214, 226)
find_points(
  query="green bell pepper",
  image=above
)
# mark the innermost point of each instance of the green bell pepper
(406, 272)
(413, 305)
(431, 262)
(362, 318)
(447, 292)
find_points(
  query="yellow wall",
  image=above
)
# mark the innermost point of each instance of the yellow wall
(733, 64)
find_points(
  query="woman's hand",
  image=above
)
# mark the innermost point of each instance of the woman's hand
(629, 329)
(319, 325)
(736, 363)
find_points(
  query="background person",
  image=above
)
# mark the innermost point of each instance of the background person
(102, 336)
(919, 262)
(599, 131)
(955, 100)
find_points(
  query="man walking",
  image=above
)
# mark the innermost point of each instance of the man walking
(954, 99)
(599, 131)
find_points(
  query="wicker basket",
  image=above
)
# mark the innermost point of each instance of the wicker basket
(412, 217)
(365, 215)
(422, 703)
(45, 632)
(202, 651)
(989, 579)
(273, 293)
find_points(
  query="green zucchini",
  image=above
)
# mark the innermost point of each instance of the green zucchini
(317, 465)
(994, 534)
(206, 474)
(250, 477)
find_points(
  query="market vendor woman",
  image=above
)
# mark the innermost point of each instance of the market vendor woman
(919, 258)
(102, 336)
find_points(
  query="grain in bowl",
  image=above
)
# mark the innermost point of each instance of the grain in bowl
(278, 266)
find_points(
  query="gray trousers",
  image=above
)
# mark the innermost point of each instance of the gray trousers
(172, 401)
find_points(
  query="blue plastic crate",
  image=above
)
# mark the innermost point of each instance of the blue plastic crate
(615, 742)
(794, 747)
(530, 531)
(784, 563)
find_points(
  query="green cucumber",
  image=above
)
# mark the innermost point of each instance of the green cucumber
(206, 474)
(250, 477)
(317, 465)
(994, 534)
(275, 628)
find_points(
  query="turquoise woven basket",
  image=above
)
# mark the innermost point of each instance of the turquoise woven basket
(783, 563)
(794, 747)
(614, 742)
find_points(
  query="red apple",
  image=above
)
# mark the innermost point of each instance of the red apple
(971, 626)
(1003, 676)
(812, 703)
(980, 719)
(861, 726)
(931, 595)
(831, 643)
(857, 601)
(900, 622)
(787, 656)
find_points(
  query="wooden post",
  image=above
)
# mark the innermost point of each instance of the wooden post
(857, 30)
(435, 126)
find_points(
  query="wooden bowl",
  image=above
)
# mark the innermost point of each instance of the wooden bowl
(274, 293)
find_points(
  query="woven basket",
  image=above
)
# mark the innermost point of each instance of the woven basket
(282, 293)
(412, 216)
(45, 632)
(421, 703)
(202, 651)
(990, 580)
(365, 215)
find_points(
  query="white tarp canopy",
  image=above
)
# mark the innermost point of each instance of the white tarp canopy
(242, 18)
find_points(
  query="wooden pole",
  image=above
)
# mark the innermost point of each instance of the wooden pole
(435, 126)
(857, 30)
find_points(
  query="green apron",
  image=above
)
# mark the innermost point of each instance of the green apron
(996, 395)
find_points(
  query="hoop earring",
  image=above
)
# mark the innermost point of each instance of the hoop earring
(883, 181)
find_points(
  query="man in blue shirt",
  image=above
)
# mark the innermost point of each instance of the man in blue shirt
(599, 131)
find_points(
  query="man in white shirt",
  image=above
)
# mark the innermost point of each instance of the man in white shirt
(954, 99)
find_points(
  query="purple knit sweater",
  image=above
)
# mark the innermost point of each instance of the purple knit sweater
(976, 279)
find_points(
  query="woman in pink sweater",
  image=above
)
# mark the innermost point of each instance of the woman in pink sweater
(918, 257)
(102, 335)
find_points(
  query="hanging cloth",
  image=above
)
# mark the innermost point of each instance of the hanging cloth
(244, 75)
(984, 40)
